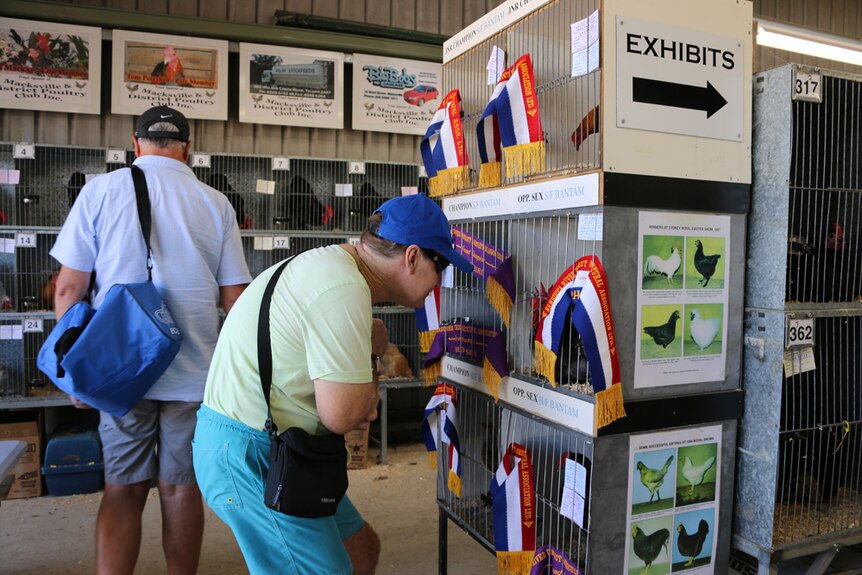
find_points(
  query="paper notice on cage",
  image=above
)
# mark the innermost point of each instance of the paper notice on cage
(447, 279)
(798, 361)
(580, 479)
(7, 246)
(590, 227)
(496, 63)
(409, 190)
(265, 187)
(11, 332)
(343, 190)
(10, 176)
(263, 243)
(585, 45)
(574, 489)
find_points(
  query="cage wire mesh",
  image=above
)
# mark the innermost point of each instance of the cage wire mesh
(486, 430)
(824, 250)
(568, 106)
(819, 486)
(402, 361)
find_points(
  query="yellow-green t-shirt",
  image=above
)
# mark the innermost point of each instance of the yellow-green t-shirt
(320, 323)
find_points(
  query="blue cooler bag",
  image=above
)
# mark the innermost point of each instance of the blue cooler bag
(111, 357)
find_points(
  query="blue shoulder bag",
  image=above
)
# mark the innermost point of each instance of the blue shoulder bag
(110, 357)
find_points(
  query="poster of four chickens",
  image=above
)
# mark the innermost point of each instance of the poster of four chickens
(673, 502)
(682, 298)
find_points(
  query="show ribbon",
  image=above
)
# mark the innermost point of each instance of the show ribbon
(513, 501)
(443, 149)
(440, 413)
(428, 320)
(492, 265)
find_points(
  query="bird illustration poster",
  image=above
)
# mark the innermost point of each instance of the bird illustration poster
(682, 298)
(185, 73)
(48, 66)
(395, 96)
(290, 86)
(673, 501)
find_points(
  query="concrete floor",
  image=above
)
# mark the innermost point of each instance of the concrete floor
(54, 535)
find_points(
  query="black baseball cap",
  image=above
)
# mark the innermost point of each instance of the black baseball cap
(159, 114)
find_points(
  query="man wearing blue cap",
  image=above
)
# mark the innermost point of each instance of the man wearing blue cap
(323, 345)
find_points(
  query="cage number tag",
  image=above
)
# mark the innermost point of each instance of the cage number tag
(800, 332)
(32, 325)
(280, 164)
(23, 240)
(201, 161)
(356, 167)
(24, 152)
(280, 242)
(807, 87)
(115, 157)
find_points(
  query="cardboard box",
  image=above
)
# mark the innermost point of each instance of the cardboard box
(28, 480)
(357, 447)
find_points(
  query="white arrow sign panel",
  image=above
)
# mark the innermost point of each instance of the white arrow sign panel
(678, 80)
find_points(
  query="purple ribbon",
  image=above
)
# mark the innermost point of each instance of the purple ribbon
(486, 259)
(549, 560)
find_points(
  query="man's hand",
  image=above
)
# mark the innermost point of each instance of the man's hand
(379, 337)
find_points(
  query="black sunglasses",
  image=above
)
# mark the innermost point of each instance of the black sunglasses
(440, 263)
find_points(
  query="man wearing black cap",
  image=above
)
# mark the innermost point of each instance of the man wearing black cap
(197, 263)
(323, 338)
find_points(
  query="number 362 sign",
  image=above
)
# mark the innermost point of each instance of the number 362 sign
(800, 332)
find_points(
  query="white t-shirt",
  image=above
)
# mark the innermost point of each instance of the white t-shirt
(320, 325)
(196, 248)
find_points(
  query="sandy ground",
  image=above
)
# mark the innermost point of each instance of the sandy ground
(54, 535)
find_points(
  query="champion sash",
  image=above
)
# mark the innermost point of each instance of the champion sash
(492, 265)
(440, 413)
(550, 330)
(428, 320)
(513, 501)
(550, 561)
(514, 106)
(496, 364)
(443, 150)
(467, 340)
(592, 318)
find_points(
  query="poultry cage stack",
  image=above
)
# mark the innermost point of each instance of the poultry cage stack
(283, 206)
(800, 460)
(592, 359)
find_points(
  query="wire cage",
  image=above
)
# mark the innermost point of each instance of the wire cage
(568, 106)
(800, 471)
(487, 429)
(21, 337)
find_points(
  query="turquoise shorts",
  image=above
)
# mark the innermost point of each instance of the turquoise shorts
(230, 460)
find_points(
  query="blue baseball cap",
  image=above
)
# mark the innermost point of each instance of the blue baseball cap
(417, 219)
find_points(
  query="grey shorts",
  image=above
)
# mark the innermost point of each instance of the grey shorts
(153, 440)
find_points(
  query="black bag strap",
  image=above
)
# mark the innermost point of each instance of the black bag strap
(143, 199)
(264, 345)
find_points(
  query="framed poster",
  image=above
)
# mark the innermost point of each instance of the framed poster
(48, 66)
(290, 86)
(394, 95)
(189, 74)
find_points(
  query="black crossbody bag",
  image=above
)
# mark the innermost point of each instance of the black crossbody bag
(307, 474)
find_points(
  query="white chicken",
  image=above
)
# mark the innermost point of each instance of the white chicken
(703, 331)
(694, 474)
(656, 265)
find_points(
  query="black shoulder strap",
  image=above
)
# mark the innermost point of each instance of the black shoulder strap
(264, 345)
(143, 197)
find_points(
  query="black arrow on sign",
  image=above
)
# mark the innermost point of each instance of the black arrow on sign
(661, 93)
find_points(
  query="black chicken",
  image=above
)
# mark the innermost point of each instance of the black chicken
(705, 265)
(647, 547)
(298, 208)
(360, 206)
(690, 545)
(665, 333)
(221, 183)
(73, 188)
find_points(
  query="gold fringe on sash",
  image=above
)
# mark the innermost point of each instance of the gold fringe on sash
(609, 405)
(432, 372)
(491, 378)
(498, 298)
(449, 181)
(514, 562)
(432, 459)
(426, 338)
(525, 159)
(489, 175)
(545, 361)
(454, 483)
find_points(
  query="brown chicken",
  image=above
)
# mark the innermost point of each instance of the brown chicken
(589, 125)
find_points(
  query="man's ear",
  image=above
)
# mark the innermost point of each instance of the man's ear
(187, 151)
(412, 257)
(137, 146)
